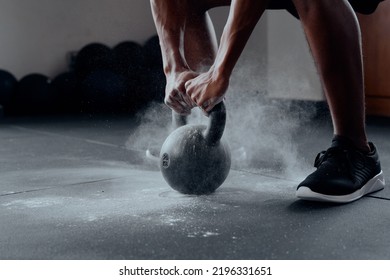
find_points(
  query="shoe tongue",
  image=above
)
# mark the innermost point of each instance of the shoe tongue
(342, 143)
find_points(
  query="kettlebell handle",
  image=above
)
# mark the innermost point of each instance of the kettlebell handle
(216, 126)
(178, 120)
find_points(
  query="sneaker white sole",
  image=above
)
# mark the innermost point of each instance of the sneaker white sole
(377, 183)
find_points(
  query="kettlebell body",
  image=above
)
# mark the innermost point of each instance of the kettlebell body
(195, 159)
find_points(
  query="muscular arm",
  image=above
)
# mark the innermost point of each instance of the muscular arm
(243, 17)
(209, 88)
(170, 20)
(170, 24)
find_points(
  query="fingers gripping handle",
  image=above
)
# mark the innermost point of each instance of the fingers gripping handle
(216, 125)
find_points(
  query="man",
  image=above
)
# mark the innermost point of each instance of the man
(198, 74)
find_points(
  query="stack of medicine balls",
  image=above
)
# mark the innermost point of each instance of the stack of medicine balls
(100, 79)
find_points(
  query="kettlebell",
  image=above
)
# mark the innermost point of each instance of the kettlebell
(195, 159)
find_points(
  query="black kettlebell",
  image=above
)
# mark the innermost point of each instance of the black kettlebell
(195, 159)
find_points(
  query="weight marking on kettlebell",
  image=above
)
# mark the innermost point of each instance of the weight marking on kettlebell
(165, 160)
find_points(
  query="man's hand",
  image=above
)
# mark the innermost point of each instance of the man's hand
(186, 89)
(176, 96)
(207, 90)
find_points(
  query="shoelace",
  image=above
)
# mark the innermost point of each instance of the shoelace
(347, 160)
(324, 155)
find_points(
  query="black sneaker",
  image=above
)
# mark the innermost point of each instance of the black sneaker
(344, 174)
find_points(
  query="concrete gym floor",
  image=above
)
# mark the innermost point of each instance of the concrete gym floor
(71, 189)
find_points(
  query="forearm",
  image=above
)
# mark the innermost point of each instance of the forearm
(170, 24)
(243, 17)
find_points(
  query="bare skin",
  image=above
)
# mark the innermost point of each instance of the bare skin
(189, 46)
(209, 88)
(333, 33)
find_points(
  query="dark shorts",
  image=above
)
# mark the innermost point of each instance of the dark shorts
(360, 6)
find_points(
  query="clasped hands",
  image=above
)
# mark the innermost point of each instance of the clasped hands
(187, 89)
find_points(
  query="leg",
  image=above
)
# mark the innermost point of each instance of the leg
(333, 34)
(350, 168)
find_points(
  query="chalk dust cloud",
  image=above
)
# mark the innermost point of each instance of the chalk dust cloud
(259, 129)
